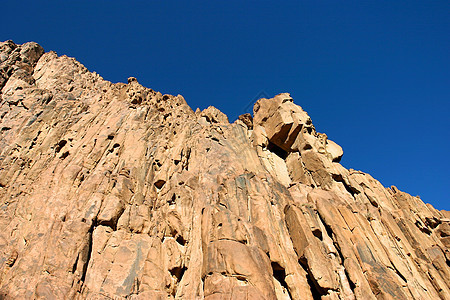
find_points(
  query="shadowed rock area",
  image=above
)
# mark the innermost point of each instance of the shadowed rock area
(115, 191)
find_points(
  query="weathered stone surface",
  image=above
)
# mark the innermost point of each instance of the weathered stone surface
(115, 191)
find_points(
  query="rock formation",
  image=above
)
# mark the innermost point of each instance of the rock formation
(113, 191)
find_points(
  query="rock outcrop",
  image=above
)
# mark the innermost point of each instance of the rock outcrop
(113, 191)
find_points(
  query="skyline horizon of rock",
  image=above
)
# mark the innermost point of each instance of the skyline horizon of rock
(115, 190)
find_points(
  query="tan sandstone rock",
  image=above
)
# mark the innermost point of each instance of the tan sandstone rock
(115, 191)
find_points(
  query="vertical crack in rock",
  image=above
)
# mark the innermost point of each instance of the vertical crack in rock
(88, 254)
(315, 289)
(280, 275)
(178, 273)
(337, 247)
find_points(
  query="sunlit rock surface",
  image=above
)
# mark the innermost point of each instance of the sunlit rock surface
(114, 191)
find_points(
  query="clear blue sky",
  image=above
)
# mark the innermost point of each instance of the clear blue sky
(372, 75)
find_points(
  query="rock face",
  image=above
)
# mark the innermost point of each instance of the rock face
(112, 191)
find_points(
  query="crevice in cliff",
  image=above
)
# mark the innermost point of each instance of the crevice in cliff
(74, 267)
(331, 234)
(111, 150)
(91, 231)
(244, 242)
(12, 259)
(159, 183)
(349, 188)
(423, 228)
(279, 274)
(327, 227)
(432, 222)
(177, 273)
(350, 282)
(342, 259)
(313, 285)
(88, 254)
(60, 145)
(186, 157)
(180, 240)
(64, 155)
(112, 222)
(277, 150)
(317, 233)
(393, 268)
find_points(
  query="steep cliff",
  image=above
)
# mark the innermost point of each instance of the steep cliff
(112, 191)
